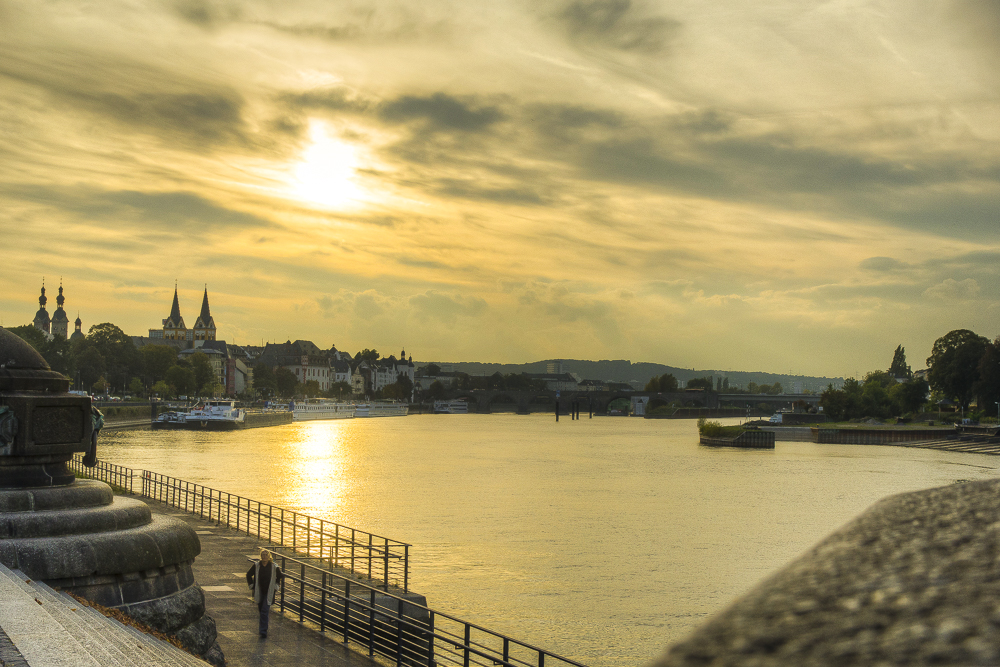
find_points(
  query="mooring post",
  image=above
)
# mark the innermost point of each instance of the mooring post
(557, 409)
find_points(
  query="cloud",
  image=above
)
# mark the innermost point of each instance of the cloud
(467, 189)
(136, 96)
(447, 307)
(617, 24)
(207, 13)
(441, 111)
(953, 290)
(882, 264)
(170, 212)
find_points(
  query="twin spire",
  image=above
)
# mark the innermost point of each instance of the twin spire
(175, 329)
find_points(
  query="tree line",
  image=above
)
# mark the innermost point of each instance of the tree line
(963, 367)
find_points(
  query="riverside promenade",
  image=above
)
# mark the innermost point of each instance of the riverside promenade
(220, 570)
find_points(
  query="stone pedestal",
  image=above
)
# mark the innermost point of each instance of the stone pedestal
(77, 535)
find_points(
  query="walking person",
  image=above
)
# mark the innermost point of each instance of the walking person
(264, 577)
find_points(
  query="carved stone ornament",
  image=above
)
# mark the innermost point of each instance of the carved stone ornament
(8, 426)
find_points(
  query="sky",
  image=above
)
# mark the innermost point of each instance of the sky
(779, 186)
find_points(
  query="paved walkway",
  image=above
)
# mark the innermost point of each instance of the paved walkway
(221, 572)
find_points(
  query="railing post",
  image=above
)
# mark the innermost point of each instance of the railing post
(322, 606)
(302, 591)
(430, 640)
(353, 543)
(283, 585)
(370, 554)
(399, 633)
(347, 610)
(468, 639)
(385, 565)
(406, 568)
(336, 542)
(541, 659)
(308, 534)
(371, 621)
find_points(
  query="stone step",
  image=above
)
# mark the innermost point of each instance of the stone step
(81, 635)
(39, 637)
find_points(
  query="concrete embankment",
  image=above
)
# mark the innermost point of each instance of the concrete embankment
(912, 581)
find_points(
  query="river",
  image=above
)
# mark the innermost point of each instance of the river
(602, 539)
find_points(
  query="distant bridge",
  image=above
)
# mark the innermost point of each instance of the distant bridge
(526, 402)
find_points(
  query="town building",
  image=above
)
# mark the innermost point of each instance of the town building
(42, 321)
(303, 358)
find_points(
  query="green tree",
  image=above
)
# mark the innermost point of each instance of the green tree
(136, 388)
(988, 389)
(157, 360)
(436, 391)
(101, 386)
(898, 367)
(90, 365)
(338, 389)
(162, 389)
(953, 366)
(665, 383)
(182, 379)
(120, 354)
(701, 383)
(910, 396)
(432, 370)
(285, 382)
(264, 381)
(371, 356)
(310, 388)
(204, 374)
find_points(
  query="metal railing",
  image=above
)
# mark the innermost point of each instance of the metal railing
(365, 554)
(395, 627)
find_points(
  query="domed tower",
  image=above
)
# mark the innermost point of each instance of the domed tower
(60, 321)
(204, 326)
(77, 333)
(41, 321)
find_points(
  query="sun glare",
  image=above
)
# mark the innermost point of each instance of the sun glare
(326, 174)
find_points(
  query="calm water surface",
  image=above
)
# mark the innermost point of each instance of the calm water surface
(602, 539)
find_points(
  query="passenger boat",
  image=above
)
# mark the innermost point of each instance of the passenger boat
(214, 415)
(381, 409)
(451, 407)
(318, 408)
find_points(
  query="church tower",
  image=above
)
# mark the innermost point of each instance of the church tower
(41, 321)
(60, 321)
(173, 326)
(77, 333)
(204, 326)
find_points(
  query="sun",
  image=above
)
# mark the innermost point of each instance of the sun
(327, 172)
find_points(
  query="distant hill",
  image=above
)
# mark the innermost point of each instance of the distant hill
(638, 374)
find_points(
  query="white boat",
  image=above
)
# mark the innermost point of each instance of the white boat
(214, 415)
(451, 407)
(318, 408)
(381, 409)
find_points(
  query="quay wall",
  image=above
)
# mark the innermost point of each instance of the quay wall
(873, 436)
(747, 439)
(259, 419)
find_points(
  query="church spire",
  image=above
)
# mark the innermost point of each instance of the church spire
(175, 309)
(204, 327)
(205, 314)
